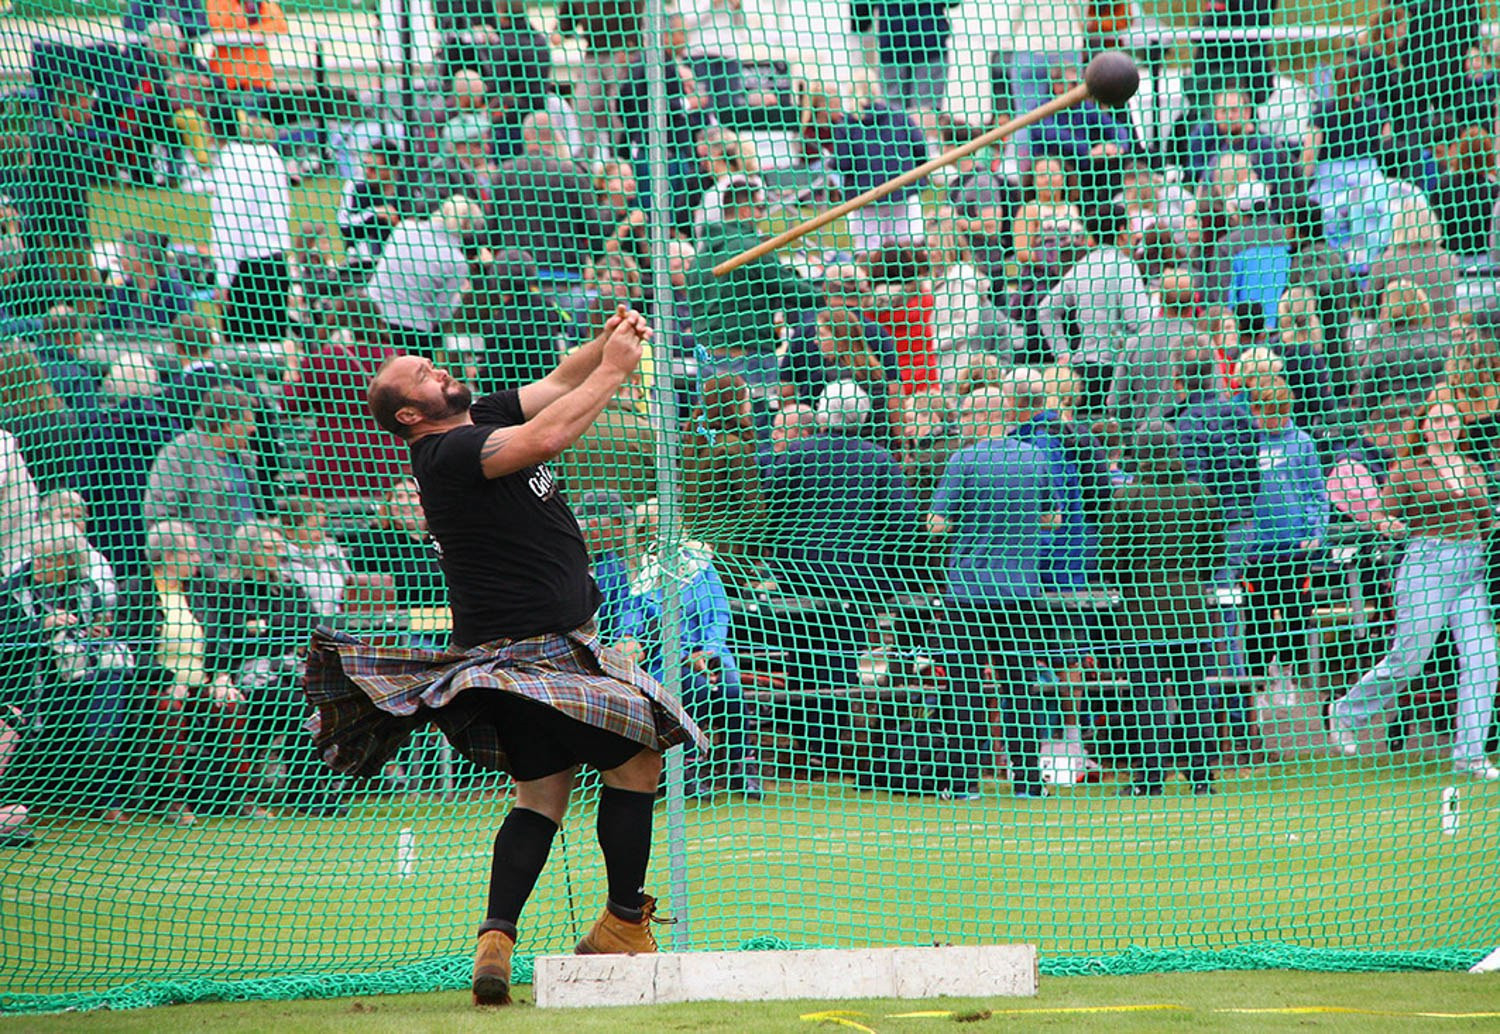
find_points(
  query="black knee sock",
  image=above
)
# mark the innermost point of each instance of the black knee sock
(625, 838)
(521, 849)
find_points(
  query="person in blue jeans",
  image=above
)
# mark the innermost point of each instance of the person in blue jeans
(602, 518)
(913, 36)
(1441, 500)
(710, 688)
(1079, 471)
(996, 500)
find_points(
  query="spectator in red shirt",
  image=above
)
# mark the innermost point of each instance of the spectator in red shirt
(350, 456)
(903, 306)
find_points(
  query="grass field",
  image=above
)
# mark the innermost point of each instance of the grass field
(1316, 854)
(184, 217)
(1122, 1005)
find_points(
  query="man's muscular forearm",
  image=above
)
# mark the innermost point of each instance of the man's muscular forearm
(576, 366)
(509, 449)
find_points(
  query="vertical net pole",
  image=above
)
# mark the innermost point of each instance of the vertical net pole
(664, 420)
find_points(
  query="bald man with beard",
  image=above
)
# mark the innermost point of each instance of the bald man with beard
(526, 685)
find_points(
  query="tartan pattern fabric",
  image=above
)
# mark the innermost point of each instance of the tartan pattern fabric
(369, 699)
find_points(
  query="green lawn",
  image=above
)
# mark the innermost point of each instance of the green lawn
(184, 217)
(1314, 854)
(1121, 1005)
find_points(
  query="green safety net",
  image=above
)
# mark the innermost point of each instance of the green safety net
(1087, 546)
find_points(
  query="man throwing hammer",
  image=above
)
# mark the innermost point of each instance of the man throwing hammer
(526, 687)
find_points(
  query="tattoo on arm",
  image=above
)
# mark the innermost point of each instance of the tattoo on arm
(493, 446)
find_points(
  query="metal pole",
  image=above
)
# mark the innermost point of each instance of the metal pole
(320, 84)
(408, 62)
(665, 425)
(388, 99)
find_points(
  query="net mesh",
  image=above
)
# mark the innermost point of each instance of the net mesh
(1010, 538)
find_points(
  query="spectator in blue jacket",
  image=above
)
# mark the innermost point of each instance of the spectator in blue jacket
(1221, 451)
(842, 521)
(1069, 551)
(1290, 523)
(995, 506)
(841, 527)
(867, 147)
(602, 518)
(710, 686)
(1220, 446)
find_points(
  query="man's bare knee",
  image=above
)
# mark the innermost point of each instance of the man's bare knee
(640, 774)
(548, 795)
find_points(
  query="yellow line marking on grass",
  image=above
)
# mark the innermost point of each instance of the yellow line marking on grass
(1304, 1010)
(846, 1018)
(1075, 1010)
(840, 1018)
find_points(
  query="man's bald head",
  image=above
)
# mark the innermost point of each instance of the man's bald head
(409, 391)
(386, 396)
(1026, 393)
(982, 413)
(468, 88)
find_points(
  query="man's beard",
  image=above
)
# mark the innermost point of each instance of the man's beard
(455, 401)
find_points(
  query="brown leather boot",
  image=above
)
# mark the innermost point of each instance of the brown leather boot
(614, 935)
(492, 967)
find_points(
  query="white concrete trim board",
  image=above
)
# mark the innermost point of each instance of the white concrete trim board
(955, 971)
(1489, 964)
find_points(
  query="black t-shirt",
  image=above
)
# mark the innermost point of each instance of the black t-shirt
(1465, 206)
(510, 548)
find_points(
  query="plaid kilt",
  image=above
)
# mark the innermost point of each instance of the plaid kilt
(368, 699)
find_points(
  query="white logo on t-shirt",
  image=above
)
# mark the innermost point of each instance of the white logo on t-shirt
(543, 483)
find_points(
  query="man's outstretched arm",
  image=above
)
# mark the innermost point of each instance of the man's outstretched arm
(509, 449)
(574, 368)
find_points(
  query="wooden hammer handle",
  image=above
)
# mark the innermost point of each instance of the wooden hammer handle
(1076, 95)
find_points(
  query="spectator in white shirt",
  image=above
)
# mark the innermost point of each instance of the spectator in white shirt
(313, 559)
(19, 501)
(251, 211)
(422, 273)
(64, 506)
(1108, 303)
